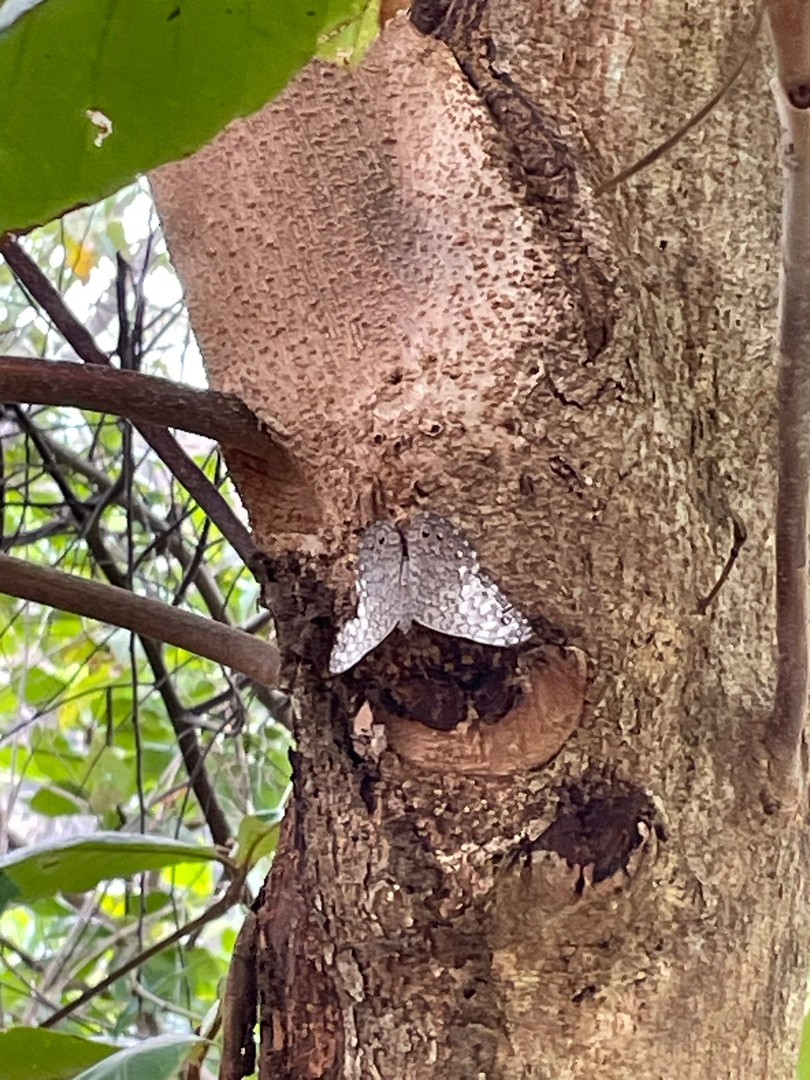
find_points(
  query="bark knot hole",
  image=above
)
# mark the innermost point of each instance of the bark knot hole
(494, 727)
(599, 832)
(799, 95)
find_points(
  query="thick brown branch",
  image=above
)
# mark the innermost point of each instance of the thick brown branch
(142, 399)
(224, 644)
(786, 724)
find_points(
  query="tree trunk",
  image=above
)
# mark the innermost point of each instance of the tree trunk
(553, 860)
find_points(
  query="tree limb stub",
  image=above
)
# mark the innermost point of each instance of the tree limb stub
(786, 724)
(152, 618)
(142, 399)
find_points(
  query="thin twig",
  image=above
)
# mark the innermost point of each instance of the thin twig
(739, 536)
(661, 148)
(26, 539)
(193, 755)
(167, 535)
(37, 285)
(230, 897)
(200, 549)
(36, 583)
(215, 506)
(120, 598)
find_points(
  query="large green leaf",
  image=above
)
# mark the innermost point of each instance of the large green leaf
(79, 864)
(152, 1059)
(162, 75)
(39, 1054)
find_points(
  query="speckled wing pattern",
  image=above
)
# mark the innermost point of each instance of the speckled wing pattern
(430, 575)
(381, 587)
(449, 593)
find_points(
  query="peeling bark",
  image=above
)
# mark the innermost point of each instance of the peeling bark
(405, 270)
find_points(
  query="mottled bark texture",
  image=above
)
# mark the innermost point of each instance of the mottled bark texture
(404, 269)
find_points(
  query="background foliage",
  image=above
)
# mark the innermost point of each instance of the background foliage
(86, 742)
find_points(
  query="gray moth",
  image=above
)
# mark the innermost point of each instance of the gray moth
(427, 573)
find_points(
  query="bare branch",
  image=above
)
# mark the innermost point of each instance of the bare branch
(162, 442)
(184, 730)
(142, 399)
(152, 618)
(204, 579)
(790, 23)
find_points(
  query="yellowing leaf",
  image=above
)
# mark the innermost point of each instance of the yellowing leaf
(80, 257)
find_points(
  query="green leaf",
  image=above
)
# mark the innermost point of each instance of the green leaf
(8, 694)
(152, 1059)
(155, 900)
(197, 969)
(256, 838)
(54, 803)
(41, 687)
(803, 1068)
(79, 864)
(132, 85)
(349, 40)
(53, 758)
(110, 781)
(64, 624)
(38, 1054)
(53, 907)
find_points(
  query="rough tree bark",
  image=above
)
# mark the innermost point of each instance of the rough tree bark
(406, 270)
